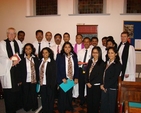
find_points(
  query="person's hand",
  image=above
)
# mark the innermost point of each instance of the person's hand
(75, 81)
(20, 83)
(126, 75)
(64, 80)
(15, 62)
(89, 85)
(102, 88)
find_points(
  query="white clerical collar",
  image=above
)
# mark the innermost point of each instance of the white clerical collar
(48, 60)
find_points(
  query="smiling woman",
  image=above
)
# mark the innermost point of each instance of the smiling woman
(67, 70)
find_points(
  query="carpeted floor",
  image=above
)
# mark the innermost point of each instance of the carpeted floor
(76, 106)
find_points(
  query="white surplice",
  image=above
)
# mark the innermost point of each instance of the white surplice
(6, 64)
(131, 63)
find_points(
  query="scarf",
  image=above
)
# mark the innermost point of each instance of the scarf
(13, 72)
(75, 47)
(124, 57)
(9, 49)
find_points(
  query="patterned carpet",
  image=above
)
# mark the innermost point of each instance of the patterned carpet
(76, 106)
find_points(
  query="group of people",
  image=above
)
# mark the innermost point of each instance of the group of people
(94, 69)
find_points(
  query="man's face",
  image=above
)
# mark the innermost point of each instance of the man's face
(94, 42)
(21, 37)
(48, 36)
(87, 43)
(124, 38)
(11, 34)
(39, 36)
(104, 42)
(66, 38)
(79, 39)
(57, 39)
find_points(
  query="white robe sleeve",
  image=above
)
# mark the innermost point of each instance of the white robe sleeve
(131, 65)
(5, 66)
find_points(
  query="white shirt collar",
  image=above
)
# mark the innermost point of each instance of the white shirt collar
(111, 62)
(94, 61)
(87, 49)
(30, 57)
(48, 60)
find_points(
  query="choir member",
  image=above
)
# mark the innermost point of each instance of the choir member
(39, 44)
(94, 73)
(29, 66)
(109, 82)
(67, 68)
(49, 41)
(79, 43)
(57, 47)
(47, 80)
(83, 57)
(10, 78)
(127, 57)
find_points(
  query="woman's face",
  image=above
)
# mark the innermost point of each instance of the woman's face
(110, 44)
(111, 54)
(95, 54)
(67, 49)
(28, 50)
(45, 54)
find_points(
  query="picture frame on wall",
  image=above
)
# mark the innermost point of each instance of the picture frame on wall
(130, 29)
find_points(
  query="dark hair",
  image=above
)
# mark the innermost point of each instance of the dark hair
(51, 54)
(110, 37)
(39, 31)
(63, 52)
(113, 41)
(79, 35)
(104, 38)
(32, 47)
(21, 32)
(86, 38)
(125, 32)
(94, 38)
(99, 54)
(66, 33)
(117, 59)
(58, 35)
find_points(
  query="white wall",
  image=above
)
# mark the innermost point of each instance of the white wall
(13, 14)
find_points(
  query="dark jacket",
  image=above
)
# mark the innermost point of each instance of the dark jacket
(23, 69)
(111, 75)
(51, 73)
(61, 67)
(96, 73)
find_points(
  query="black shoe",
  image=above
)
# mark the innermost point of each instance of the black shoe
(34, 109)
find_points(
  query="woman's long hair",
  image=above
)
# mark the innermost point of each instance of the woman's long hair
(63, 52)
(32, 47)
(51, 54)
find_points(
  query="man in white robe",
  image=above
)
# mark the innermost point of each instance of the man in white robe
(9, 77)
(127, 58)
